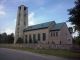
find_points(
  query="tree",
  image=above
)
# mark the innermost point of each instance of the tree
(20, 40)
(3, 38)
(10, 38)
(75, 15)
(0, 38)
(30, 39)
(35, 41)
(70, 30)
(76, 40)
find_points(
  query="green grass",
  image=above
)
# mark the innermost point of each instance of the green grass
(54, 52)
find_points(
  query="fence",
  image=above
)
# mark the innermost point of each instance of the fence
(38, 46)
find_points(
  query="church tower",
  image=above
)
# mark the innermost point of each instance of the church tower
(21, 23)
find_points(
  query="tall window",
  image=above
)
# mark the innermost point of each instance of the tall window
(44, 36)
(24, 23)
(51, 34)
(60, 42)
(56, 33)
(30, 39)
(25, 38)
(24, 8)
(20, 8)
(19, 18)
(38, 36)
(34, 38)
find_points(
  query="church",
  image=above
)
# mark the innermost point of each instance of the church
(45, 33)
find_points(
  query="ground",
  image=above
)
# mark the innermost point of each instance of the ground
(12, 54)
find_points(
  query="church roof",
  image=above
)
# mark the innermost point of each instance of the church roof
(58, 26)
(39, 26)
(44, 25)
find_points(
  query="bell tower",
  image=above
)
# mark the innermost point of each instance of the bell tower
(21, 23)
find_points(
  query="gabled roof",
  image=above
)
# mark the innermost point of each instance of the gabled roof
(39, 26)
(58, 26)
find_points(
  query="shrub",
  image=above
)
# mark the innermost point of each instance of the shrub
(20, 40)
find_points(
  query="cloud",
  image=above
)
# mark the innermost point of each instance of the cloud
(2, 1)
(39, 2)
(11, 26)
(75, 34)
(2, 7)
(2, 10)
(31, 18)
(9, 30)
(70, 25)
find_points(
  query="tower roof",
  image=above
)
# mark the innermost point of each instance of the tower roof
(22, 5)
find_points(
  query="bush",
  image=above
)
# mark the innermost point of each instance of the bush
(20, 40)
(35, 41)
(30, 41)
(77, 40)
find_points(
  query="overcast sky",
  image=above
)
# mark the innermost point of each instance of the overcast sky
(39, 11)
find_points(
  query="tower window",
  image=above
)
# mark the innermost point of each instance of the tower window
(24, 8)
(18, 23)
(19, 14)
(24, 23)
(20, 8)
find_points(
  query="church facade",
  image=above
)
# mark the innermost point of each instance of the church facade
(45, 33)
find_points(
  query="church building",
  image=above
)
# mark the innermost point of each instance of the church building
(45, 33)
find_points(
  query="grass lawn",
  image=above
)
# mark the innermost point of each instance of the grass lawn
(54, 52)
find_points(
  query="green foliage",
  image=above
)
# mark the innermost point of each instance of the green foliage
(35, 41)
(53, 52)
(10, 38)
(75, 15)
(4, 38)
(26, 41)
(77, 40)
(20, 40)
(70, 30)
(30, 41)
(0, 38)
